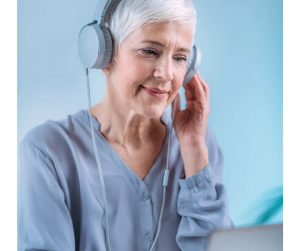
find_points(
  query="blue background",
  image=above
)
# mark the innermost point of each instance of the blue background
(241, 45)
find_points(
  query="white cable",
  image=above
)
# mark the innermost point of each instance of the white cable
(160, 220)
(100, 170)
(165, 179)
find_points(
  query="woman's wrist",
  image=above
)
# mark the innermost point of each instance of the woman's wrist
(194, 159)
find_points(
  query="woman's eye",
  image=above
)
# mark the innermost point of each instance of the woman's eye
(180, 58)
(149, 52)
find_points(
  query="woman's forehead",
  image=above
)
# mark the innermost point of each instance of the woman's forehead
(164, 35)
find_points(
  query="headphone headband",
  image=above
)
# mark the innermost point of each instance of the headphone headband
(107, 11)
(96, 45)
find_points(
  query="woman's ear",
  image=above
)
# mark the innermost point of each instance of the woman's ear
(107, 68)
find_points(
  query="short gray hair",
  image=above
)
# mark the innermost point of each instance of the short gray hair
(130, 15)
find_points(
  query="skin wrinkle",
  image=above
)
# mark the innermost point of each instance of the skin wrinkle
(135, 125)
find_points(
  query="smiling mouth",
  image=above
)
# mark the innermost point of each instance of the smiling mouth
(154, 90)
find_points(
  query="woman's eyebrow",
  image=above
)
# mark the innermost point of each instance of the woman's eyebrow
(154, 42)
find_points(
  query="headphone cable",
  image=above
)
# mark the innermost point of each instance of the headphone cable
(103, 202)
(165, 179)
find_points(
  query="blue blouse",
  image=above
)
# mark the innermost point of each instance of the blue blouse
(59, 193)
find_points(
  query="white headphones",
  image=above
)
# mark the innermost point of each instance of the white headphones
(96, 46)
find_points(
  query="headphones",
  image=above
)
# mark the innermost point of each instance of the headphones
(95, 42)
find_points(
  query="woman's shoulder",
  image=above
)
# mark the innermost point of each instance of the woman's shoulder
(55, 133)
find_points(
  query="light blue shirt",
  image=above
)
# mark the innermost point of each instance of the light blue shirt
(59, 194)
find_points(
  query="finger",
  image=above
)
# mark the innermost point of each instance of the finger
(207, 91)
(199, 91)
(191, 90)
(205, 86)
(190, 98)
(188, 93)
(202, 95)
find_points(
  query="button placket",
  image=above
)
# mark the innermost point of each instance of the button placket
(146, 216)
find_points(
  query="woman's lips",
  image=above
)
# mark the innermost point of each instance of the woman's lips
(155, 92)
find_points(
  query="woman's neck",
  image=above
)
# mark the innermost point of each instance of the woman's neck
(128, 130)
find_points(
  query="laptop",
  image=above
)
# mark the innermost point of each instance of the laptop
(258, 238)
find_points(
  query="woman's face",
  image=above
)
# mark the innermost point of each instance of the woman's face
(149, 68)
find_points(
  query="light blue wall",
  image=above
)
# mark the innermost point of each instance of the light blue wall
(241, 44)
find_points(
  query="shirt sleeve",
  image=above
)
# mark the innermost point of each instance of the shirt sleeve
(202, 205)
(44, 221)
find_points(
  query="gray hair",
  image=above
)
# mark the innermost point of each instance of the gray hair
(130, 15)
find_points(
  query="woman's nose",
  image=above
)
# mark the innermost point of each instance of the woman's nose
(164, 69)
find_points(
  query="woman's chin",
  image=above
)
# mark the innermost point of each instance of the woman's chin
(152, 112)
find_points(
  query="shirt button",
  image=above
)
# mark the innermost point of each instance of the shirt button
(148, 236)
(145, 196)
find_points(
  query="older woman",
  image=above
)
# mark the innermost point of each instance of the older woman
(61, 197)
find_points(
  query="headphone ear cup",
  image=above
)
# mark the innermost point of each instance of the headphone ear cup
(108, 48)
(95, 46)
(193, 64)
